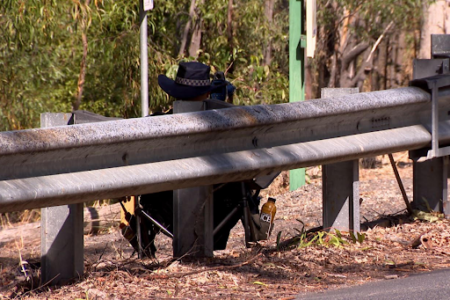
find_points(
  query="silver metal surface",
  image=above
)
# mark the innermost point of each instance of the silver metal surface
(193, 208)
(193, 221)
(38, 152)
(51, 190)
(340, 193)
(434, 122)
(62, 241)
(337, 92)
(118, 158)
(430, 184)
(340, 186)
(434, 84)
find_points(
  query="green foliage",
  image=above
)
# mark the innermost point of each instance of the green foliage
(379, 27)
(41, 52)
(323, 238)
(337, 239)
(278, 241)
(373, 16)
(358, 237)
(427, 216)
(383, 12)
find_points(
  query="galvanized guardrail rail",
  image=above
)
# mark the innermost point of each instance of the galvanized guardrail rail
(63, 165)
(74, 164)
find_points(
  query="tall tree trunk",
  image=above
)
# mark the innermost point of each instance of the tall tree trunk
(348, 68)
(81, 78)
(374, 75)
(386, 64)
(187, 29)
(308, 79)
(196, 38)
(392, 63)
(321, 71)
(381, 65)
(332, 81)
(401, 61)
(436, 21)
(230, 35)
(268, 11)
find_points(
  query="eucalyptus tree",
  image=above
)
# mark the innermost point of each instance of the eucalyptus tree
(34, 61)
(84, 54)
(360, 39)
(64, 55)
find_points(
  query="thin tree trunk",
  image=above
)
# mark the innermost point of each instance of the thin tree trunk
(386, 64)
(348, 68)
(392, 65)
(321, 73)
(187, 28)
(375, 74)
(196, 38)
(381, 63)
(308, 79)
(367, 63)
(230, 35)
(268, 11)
(435, 21)
(82, 76)
(401, 62)
(332, 82)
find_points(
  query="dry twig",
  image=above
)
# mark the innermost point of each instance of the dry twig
(219, 268)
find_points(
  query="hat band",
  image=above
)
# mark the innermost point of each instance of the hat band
(192, 82)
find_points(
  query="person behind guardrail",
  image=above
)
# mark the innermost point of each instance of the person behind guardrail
(192, 83)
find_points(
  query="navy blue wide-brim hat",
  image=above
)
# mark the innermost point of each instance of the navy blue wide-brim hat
(192, 80)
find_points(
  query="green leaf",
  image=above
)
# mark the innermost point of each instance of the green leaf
(361, 237)
(278, 240)
(353, 237)
(424, 216)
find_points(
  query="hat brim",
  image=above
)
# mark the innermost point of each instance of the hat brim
(183, 92)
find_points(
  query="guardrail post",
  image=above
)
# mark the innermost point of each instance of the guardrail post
(340, 185)
(192, 209)
(430, 184)
(62, 245)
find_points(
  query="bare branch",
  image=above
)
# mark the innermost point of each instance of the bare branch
(353, 54)
(379, 40)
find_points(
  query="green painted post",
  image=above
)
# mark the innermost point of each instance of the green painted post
(297, 46)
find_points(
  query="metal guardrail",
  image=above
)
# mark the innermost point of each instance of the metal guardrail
(38, 152)
(52, 190)
(72, 164)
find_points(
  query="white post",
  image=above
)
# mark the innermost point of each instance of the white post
(144, 58)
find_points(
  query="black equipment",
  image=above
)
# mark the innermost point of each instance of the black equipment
(223, 92)
(233, 201)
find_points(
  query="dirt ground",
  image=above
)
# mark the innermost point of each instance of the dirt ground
(395, 247)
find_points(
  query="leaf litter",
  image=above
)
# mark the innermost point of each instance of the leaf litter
(298, 258)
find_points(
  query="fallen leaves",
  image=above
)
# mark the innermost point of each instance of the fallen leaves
(385, 253)
(404, 247)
